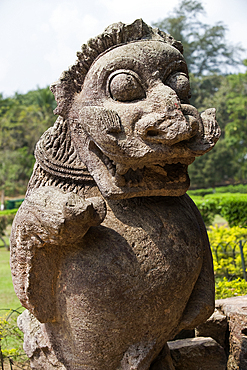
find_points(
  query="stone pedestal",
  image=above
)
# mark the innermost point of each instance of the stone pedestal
(197, 354)
(235, 309)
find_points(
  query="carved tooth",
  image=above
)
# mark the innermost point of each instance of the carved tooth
(111, 171)
(135, 183)
(121, 169)
(137, 166)
(182, 177)
(120, 180)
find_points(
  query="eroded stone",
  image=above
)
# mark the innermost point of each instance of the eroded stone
(107, 250)
(215, 327)
(199, 353)
(235, 309)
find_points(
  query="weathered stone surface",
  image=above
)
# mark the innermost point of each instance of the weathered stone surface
(215, 327)
(107, 250)
(37, 344)
(235, 309)
(163, 361)
(197, 354)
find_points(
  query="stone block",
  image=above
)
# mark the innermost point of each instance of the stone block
(215, 327)
(197, 354)
(235, 308)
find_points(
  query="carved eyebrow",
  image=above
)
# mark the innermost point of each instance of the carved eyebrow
(176, 66)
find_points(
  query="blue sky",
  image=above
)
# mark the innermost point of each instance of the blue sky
(39, 38)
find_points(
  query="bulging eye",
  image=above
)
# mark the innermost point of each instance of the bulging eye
(125, 87)
(179, 82)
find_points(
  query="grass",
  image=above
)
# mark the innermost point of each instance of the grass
(8, 298)
(219, 221)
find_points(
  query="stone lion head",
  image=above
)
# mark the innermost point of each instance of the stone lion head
(125, 121)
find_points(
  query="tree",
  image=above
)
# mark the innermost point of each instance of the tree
(205, 47)
(216, 168)
(228, 160)
(208, 55)
(23, 119)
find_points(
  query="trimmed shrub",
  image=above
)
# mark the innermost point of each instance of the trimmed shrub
(240, 188)
(225, 246)
(234, 209)
(207, 208)
(13, 203)
(200, 192)
(225, 288)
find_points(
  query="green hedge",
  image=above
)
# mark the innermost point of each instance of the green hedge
(233, 207)
(13, 203)
(225, 288)
(240, 188)
(207, 207)
(7, 212)
(200, 192)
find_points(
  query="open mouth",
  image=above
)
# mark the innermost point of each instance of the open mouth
(150, 179)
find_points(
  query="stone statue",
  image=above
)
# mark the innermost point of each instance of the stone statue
(108, 253)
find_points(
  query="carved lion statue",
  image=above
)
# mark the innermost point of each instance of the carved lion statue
(108, 253)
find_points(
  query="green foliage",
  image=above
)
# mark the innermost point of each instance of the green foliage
(214, 168)
(208, 208)
(8, 298)
(6, 218)
(200, 192)
(231, 206)
(13, 203)
(234, 209)
(11, 341)
(23, 119)
(15, 170)
(227, 162)
(206, 50)
(239, 188)
(225, 248)
(225, 288)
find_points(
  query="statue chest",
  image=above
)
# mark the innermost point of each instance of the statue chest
(130, 278)
(148, 250)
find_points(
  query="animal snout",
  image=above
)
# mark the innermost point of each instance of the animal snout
(166, 129)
